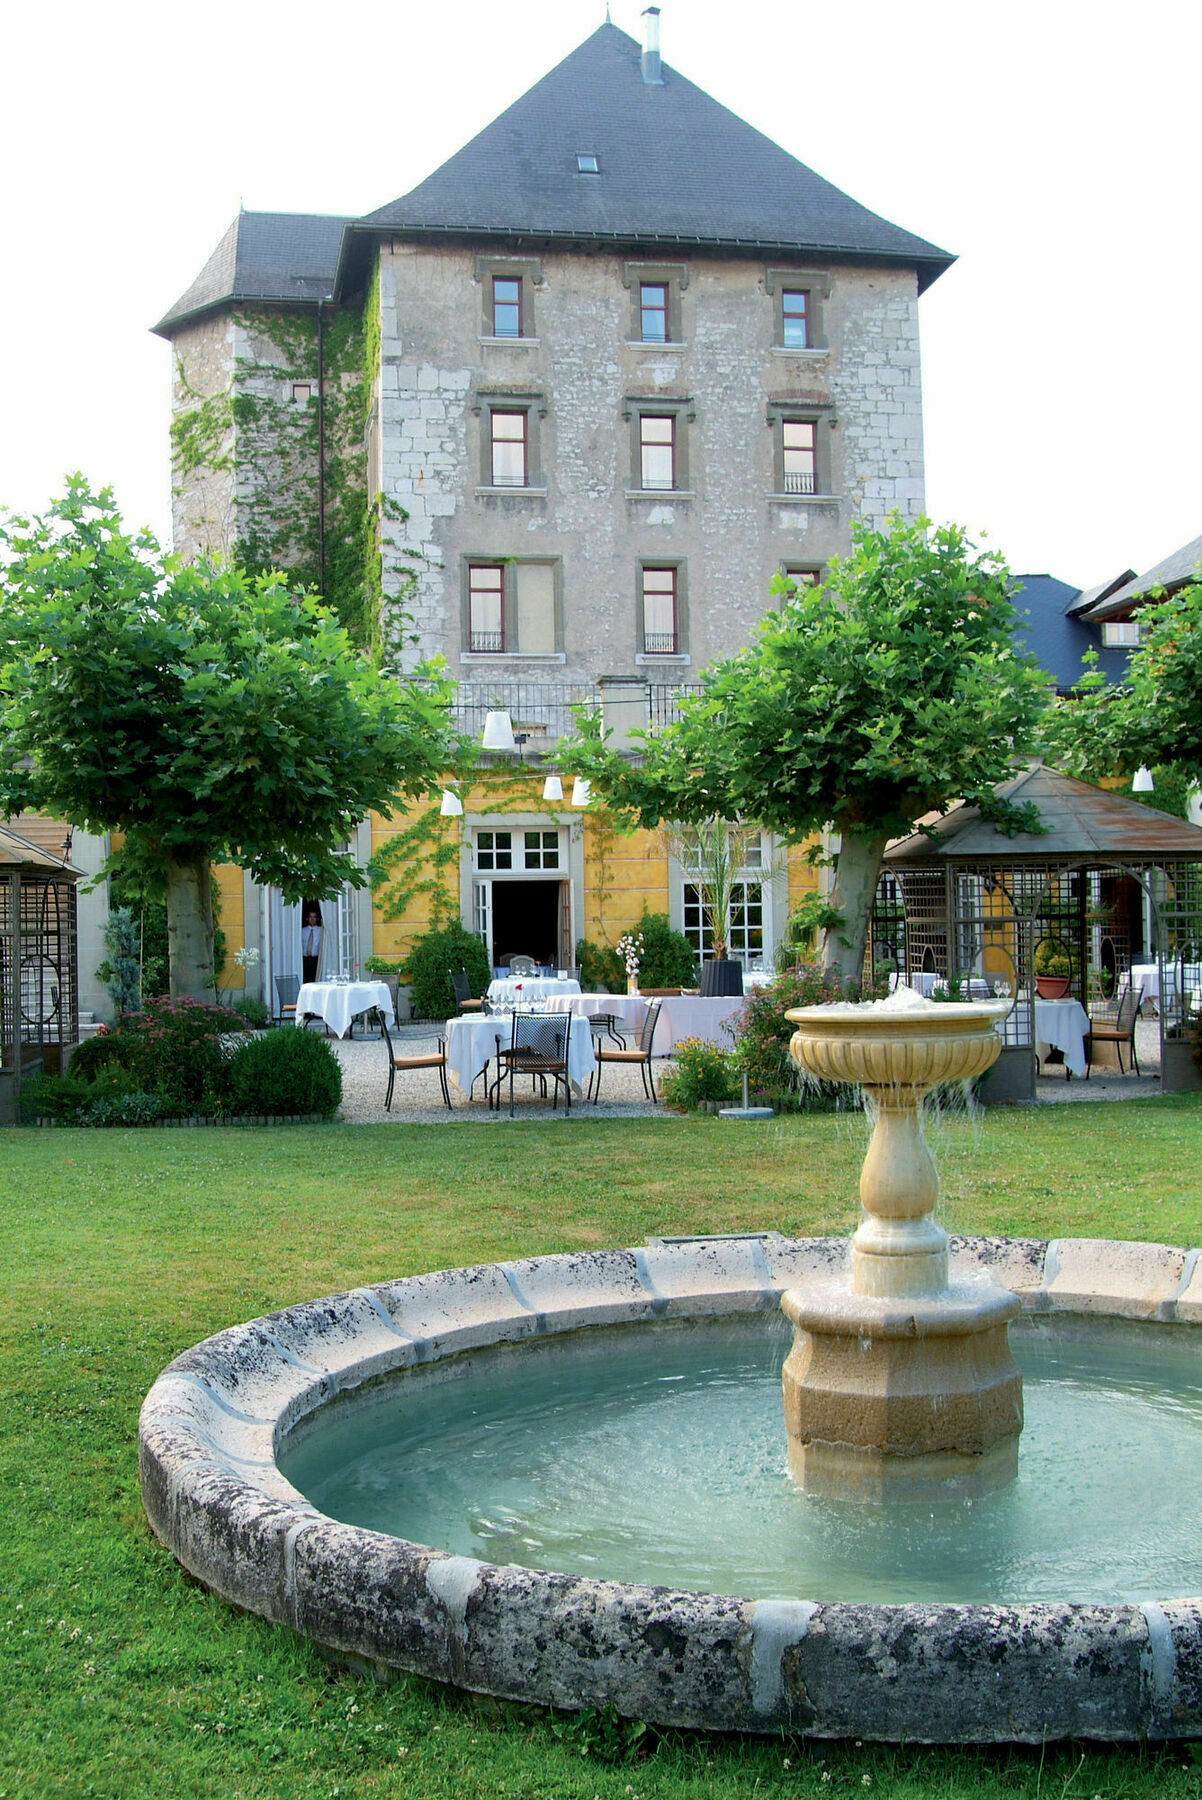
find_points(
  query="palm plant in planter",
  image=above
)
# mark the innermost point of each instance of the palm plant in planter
(715, 853)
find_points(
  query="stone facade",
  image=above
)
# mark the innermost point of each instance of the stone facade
(580, 378)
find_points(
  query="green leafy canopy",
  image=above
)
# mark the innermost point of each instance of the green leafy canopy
(205, 713)
(889, 692)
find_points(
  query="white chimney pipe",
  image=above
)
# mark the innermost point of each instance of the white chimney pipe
(650, 57)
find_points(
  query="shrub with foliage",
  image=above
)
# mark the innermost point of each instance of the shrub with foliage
(254, 1011)
(669, 959)
(112, 1096)
(430, 962)
(180, 1050)
(121, 971)
(96, 1053)
(763, 1034)
(601, 968)
(288, 1072)
(701, 1073)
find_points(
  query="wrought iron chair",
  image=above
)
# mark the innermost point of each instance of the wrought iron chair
(641, 1056)
(425, 1060)
(603, 1025)
(538, 1047)
(1117, 1031)
(287, 987)
(461, 987)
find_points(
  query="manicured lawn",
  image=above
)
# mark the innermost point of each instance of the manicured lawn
(123, 1678)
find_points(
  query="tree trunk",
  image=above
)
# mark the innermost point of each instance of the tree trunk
(190, 929)
(857, 872)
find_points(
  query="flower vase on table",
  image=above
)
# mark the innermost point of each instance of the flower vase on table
(630, 949)
(632, 984)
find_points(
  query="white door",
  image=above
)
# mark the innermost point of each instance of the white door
(343, 940)
(482, 914)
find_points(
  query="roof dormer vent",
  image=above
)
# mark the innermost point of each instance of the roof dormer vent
(650, 57)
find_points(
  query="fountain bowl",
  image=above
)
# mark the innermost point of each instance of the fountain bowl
(215, 1421)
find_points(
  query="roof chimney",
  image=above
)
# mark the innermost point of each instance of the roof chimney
(650, 57)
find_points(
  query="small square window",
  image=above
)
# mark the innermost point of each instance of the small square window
(302, 393)
(494, 850)
(1122, 634)
(587, 164)
(799, 577)
(542, 849)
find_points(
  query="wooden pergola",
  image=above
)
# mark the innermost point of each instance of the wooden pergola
(1108, 883)
(39, 977)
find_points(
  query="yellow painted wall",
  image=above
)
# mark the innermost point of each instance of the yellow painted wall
(229, 888)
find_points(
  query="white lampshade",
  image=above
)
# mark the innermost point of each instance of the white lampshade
(582, 791)
(1142, 783)
(552, 788)
(452, 805)
(498, 732)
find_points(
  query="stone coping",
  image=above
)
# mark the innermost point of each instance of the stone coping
(211, 1426)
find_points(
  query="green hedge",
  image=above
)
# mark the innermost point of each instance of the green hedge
(288, 1072)
(429, 965)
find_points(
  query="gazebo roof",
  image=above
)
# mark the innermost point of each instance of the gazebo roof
(18, 853)
(1083, 824)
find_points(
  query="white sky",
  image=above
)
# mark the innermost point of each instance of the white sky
(1054, 146)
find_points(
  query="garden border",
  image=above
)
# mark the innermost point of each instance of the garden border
(213, 1422)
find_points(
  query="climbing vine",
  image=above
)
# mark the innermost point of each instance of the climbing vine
(200, 434)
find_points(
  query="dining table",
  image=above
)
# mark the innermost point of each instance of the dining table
(1147, 977)
(1062, 1025)
(681, 1016)
(339, 1003)
(520, 990)
(473, 1040)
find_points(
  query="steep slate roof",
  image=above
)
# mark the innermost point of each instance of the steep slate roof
(1102, 590)
(1049, 628)
(1085, 824)
(677, 169)
(263, 256)
(1173, 572)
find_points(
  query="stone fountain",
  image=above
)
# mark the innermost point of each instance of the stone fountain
(900, 1385)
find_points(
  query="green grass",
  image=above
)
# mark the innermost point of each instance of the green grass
(120, 1677)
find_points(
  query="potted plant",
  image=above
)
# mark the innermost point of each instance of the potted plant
(386, 969)
(1053, 968)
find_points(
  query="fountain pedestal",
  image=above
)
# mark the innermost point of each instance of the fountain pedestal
(900, 1385)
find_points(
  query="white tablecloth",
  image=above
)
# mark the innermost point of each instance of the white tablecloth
(694, 1016)
(533, 987)
(681, 1016)
(1062, 1025)
(472, 1042)
(1147, 976)
(922, 981)
(340, 1002)
(629, 1008)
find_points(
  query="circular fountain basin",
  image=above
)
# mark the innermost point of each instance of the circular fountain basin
(226, 1424)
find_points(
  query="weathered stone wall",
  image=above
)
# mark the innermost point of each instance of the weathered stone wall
(731, 527)
(203, 476)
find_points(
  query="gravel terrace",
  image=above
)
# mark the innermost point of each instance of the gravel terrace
(418, 1101)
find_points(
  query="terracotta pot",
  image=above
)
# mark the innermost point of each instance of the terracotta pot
(1052, 987)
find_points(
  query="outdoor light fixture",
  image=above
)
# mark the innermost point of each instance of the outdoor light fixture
(582, 791)
(452, 805)
(498, 732)
(1142, 783)
(552, 788)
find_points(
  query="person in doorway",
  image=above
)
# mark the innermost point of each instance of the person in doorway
(310, 943)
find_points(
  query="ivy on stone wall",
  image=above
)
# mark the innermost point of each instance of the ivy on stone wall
(200, 434)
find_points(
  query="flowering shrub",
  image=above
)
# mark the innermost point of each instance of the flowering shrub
(763, 1034)
(179, 1049)
(630, 948)
(700, 1073)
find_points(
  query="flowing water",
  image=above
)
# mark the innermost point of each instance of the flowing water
(657, 1454)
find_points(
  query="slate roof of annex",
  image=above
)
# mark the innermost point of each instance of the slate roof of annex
(264, 256)
(676, 168)
(1172, 572)
(1083, 824)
